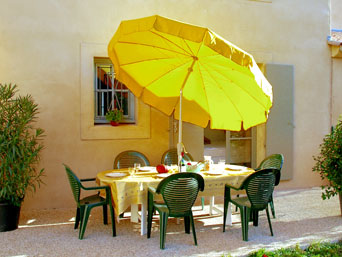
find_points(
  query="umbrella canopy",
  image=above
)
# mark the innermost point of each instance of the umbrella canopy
(190, 71)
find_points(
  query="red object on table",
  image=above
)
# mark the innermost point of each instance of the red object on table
(161, 169)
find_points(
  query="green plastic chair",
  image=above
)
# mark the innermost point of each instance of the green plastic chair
(170, 157)
(259, 188)
(127, 159)
(273, 161)
(179, 192)
(85, 205)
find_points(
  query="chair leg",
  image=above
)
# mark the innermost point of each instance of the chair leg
(81, 215)
(272, 206)
(112, 216)
(77, 221)
(84, 222)
(187, 224)
(163, 224)
(255, 215)
(193, 228)
(236, 208)
(149, 221)
(244, 213)
(150, 210)
(225, 207)
(269, 221)
(105, 214)
(202, 201)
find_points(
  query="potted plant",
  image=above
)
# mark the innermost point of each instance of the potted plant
(20, 146)
(114, 116)
(329, 163)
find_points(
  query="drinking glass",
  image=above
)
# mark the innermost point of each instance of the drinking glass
(131, 171)
(221, 164)
(137, 167)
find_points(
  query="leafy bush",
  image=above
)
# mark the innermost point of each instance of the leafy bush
(20, 145)
(329, 162)
(314, 250)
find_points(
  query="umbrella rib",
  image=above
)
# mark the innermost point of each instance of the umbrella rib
(247, 92)
(153, 46)
(221, 89)
(171, 42)
(146, 60)
(162, 75)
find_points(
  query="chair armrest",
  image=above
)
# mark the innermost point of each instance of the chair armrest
(94, 188)
(231, 187)
(87, 179)
(152, 190)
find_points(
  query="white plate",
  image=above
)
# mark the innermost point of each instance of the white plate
(213, 172)
(236, 167)
(163, 175)
(147, 168)
(116, 174)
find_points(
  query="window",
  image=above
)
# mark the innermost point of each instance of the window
(239, 146)
(110, 93)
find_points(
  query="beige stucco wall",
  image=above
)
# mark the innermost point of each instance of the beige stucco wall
(336, 23)
(40, 50)
(336, 18)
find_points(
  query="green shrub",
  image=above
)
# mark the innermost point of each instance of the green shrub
(20, 145)
(314, 250)
(329, 162)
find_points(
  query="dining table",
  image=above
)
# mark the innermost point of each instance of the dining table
(131, 190)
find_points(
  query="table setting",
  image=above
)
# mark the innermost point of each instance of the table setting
(129, 185)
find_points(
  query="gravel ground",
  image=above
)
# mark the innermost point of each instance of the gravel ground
(302, 217)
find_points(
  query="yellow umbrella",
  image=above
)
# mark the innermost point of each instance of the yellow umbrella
(190, 71)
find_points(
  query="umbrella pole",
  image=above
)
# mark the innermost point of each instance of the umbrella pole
(180, 145)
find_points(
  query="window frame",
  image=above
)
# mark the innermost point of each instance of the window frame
(128, 118)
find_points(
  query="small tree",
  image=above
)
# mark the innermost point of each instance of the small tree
(19, 145)
(329, 162)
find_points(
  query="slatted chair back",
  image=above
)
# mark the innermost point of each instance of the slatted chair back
(259, 188)
(171, 157)
(75, 184)
(127, 159)
(180, 191)
(273, 161)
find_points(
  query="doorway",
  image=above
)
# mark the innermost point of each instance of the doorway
(235, 147)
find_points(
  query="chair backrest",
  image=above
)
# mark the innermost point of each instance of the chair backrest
(127, 159)
(259, 187)
(274, 161)
(171, 157)
(180, 191)
(75, 183)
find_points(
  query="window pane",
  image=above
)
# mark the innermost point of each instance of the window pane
(110, 93)
(241, 147)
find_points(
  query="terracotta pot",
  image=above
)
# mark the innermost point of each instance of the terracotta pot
(114, 123)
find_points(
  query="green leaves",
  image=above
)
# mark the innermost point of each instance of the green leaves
(313, 250)
(20, 145)
(114, 115)
(329, 162)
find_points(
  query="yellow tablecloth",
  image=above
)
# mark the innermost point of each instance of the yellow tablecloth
(129, 190)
